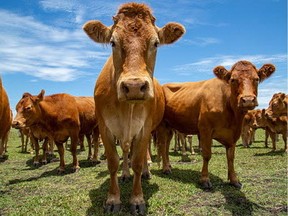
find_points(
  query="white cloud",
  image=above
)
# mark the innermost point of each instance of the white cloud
(47, 52)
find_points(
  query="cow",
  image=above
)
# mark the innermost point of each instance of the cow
(24, 134)
(88, 125)
(276, 118)
(214, 109)
(248, 128)
(57, 114)
(5, 119)
(129, 101)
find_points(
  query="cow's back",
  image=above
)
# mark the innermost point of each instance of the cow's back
(194, 101)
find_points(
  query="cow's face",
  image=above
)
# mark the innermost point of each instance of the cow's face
(27, 110)
(243, 79)
(277, 104)
(134, 39)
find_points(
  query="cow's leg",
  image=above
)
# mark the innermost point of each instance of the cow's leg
(113, 202)
(26, 142)
(137, 161)
(44, 147)
(35, 142)
(146, 174)
(60, 148)
(267, 134)
(23, 146)
(189, 139)
(81, 142)
(230, 154)
(96, 144)
(2, 148)
(74, 140)
(206, 144)
(125, 167)
(89, 147)
(273, 138)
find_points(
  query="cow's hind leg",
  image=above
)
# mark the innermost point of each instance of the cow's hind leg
(74, 142)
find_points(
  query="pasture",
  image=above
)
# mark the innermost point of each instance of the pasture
(27, 190)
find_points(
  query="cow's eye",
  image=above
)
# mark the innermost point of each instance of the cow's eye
(28, 108)
(156, 44)
(233, 80)
(256, 80)
(112, 43)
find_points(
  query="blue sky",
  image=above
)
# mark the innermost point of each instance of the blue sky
(43, 45)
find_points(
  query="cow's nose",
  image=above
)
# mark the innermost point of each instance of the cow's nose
(249, 101)
(134, 88)
(15, 124)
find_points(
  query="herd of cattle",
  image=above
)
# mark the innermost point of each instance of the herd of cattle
(129, 105)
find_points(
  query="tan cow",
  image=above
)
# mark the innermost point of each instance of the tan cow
(276, 117)
(57, 114)
(129, 101)
(5, 119)
(88, 125)
(215, 109)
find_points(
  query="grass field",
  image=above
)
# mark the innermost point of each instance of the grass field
(27, 190)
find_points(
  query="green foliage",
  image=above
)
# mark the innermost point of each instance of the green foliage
(29, 190)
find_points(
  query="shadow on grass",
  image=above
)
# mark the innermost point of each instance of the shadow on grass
(68, 170)
(236, 201)
(98, 195)
(3, 158)
(272, 153)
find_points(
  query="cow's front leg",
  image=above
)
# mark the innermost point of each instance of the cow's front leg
(113, 202)
(125, 167)
(36, 146)
(137, 199)
(230, 154)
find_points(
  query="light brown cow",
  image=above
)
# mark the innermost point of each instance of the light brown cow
(215, 109)
(88, 125)
(25, 137)
(129, 101)
(57, 114)
(248, 128)
(5, 119)
(276, 117)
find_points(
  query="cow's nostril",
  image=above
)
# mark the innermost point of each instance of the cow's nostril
(125, 88)
(144, 87)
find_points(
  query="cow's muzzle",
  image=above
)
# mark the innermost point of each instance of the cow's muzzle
(248, 102)
(17, 124)
(134, 90)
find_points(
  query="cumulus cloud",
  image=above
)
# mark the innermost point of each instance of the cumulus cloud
(43, 51)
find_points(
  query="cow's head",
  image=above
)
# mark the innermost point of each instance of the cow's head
(134, 39)
(243, 79)
(28, 111)
(277, 105)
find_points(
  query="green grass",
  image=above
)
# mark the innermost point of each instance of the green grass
(26, 190)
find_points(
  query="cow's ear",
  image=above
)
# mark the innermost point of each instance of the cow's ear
(170, 33)
(265, 71)
(263, 113)
(97, 31)
(40, 96)
(222, 73)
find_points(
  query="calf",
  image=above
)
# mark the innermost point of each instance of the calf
(57, 114)
(129, 102)
(215, 109)
(5, 119)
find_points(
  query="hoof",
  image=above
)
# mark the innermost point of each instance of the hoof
(112, 208)
(36, 164)
(75, 169)
(207, 185)
(146, 176)
(60, 171)
(167, 171)
(124, 179)
(237, 185)
(44, 162)
(138, 209)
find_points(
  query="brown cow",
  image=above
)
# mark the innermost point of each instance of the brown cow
(129, 101)
(276, 117)
(25, 137)
(57, 114)
(88, 125)
(215, 109)
(5, 119)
